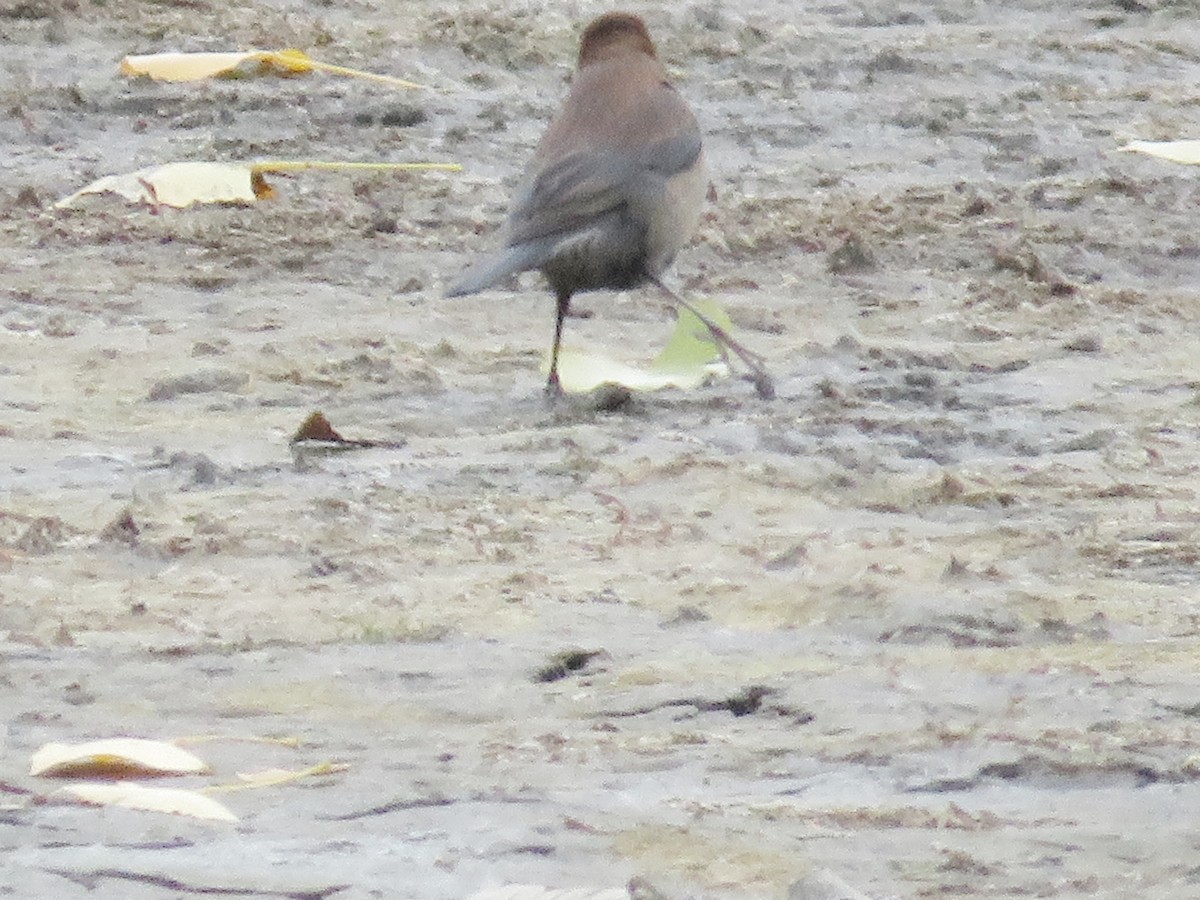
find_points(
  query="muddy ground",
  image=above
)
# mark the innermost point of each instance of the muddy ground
(960, 549)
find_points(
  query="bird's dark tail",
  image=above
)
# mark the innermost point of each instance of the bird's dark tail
(501, 264)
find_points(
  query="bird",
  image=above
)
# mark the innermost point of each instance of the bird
(615, 188)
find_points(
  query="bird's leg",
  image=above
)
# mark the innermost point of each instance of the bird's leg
(553, 387)
(758, 372)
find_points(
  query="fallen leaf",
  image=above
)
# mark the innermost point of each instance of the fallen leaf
(114, 758)
(1186, 152)
(185, 66)
(691, 347)
(580, 371)
(183, 184)
(177, 184)
(689, 359)
(315, 433)
(130, 795)
(198, 66)
(316, 428)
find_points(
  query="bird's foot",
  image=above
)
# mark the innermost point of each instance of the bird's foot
(553, 390)
(762, 382)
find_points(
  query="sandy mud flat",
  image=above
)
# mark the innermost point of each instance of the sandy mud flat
(925, 624)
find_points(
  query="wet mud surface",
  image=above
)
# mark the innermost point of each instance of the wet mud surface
(925, 623)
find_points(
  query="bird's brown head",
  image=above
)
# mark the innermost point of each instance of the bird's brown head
(612, 35)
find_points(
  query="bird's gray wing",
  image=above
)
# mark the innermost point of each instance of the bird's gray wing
(570, 195)
(568, 198)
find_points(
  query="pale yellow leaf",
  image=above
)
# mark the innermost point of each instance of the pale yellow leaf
(130, 795)
(1186, 152)
(579, 372)
(198, 66)
(691, 347)
(177, 184)
(185, 66)
(115, 757)
(690, 358)
(186, 183)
